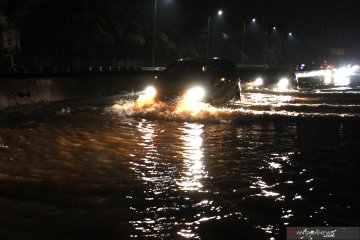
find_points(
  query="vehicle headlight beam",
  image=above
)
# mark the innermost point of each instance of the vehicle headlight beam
(283, 84)
(259, 81)
(149, 92)
(195, 94)
(146, 98)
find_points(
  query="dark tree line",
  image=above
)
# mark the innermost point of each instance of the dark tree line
(113, 29)
(88, 29)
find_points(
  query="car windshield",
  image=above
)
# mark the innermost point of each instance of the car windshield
(188, 67)
(217, 68)
(276, 72)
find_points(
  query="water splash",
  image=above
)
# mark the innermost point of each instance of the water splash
(253, 106)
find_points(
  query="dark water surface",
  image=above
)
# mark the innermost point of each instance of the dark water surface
(242, 172)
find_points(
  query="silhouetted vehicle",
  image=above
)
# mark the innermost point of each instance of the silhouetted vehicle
(212, 79)
(278, 79)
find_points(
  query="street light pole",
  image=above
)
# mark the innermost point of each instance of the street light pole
(266, 40)
(208, 37)
(219, 13)
(243, 45)
(154, 35)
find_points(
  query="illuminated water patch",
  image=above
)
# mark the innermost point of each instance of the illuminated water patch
(253, 106)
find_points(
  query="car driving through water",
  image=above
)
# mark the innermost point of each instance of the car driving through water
(212, 80)
(271, 79)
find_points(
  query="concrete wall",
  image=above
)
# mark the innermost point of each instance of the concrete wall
(21, 90)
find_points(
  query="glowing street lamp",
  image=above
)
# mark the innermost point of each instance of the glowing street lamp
(243, 42)
(219, 13)
(154, 34)
(266, 42)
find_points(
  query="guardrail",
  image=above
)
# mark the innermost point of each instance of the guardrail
(55, 71)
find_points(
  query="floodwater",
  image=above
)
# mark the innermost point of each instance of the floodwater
(84, 170)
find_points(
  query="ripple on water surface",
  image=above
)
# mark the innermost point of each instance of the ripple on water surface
(122, 172)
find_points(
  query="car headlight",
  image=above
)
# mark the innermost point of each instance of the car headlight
(195, 94)
(283, 84)
(258, 82)
(146, 98)
(149, 92)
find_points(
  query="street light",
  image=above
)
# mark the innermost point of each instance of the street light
(154, 34)
(219, 13)
(286, 38)
(243, 42)
(266, 42)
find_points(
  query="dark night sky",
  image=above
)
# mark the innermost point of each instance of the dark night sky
(315, 24)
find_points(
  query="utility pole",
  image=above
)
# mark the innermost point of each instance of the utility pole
(243, 46)
(208, 37)
(154, 35)
(266, 40)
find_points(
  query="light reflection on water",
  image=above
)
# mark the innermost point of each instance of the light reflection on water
(105, 175)
(166, 174)
(193, 158)
(255, 105)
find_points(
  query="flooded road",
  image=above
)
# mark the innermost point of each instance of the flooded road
(83, 170)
